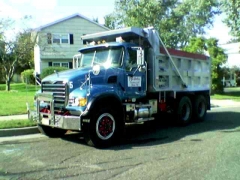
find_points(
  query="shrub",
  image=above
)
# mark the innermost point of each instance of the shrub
(27, 76)
(50, 70)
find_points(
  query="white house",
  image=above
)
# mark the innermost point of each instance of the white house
(58, 41)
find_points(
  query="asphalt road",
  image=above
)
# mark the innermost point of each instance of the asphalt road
(207, 150)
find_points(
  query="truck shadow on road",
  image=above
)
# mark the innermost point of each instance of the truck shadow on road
(157, 133)
(165, 131)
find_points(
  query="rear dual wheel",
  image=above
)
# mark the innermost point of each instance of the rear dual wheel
(200, 108)
(186, 110)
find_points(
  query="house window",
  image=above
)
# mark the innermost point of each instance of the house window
(56, 38)
(60, 64)
(60, 38)
(55, 64)
(64, 39)
(65, 65)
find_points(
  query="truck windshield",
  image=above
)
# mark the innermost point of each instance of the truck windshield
(105, 56)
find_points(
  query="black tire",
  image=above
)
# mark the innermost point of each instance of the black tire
(184, 111)
(51, 132)
(104, 128)
(200, 108)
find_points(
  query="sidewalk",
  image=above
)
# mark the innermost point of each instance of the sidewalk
(14, 117)
(224, 103)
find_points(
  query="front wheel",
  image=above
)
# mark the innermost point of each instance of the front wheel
(104, 128)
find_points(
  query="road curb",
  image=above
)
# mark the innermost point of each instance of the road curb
(18, 131)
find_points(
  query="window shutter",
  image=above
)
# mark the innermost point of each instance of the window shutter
(49, 38)
(71, 38)
(70, 65)
(49, 64)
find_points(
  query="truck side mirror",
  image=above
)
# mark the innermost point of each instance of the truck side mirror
(76, 61)
(140, 57)
(142, 68)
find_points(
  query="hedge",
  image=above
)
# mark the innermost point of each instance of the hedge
(27, 76)
(50, 70)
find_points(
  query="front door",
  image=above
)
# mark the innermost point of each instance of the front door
(135, 80)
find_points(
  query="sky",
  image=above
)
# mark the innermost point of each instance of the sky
(47, 11)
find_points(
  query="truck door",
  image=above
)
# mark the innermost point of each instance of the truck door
(135, 77)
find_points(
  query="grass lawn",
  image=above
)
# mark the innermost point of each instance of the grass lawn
(229, 94)
(16, 124)
(14, 101)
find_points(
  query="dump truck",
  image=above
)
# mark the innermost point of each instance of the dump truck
(123, 76)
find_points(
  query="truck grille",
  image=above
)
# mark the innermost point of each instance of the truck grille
(59, 90)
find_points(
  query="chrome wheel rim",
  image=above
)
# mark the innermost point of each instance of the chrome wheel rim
(105, 126)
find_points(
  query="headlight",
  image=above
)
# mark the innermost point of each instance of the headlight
(82, 101)
(77, 101)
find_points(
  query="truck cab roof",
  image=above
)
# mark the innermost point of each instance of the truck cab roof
(111, 44)
(128, 34)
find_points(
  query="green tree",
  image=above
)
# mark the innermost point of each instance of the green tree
(196, 45)
(177, 21)
(96, 20)
(25, 44)
(14, 54)
(5, 23)
(232, 10)
(217, 55)
(236, 70)
(110, 21)
(234, 40)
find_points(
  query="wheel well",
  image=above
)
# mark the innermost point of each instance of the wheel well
(193, 96)
(106, 101)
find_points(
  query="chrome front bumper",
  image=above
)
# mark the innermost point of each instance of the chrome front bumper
(51, 119)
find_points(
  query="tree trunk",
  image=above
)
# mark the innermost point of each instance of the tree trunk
(9, 74)
(8, 85)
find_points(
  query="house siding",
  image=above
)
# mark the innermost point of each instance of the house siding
(77, 26)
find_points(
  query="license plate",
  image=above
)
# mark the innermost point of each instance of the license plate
(45, 121)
